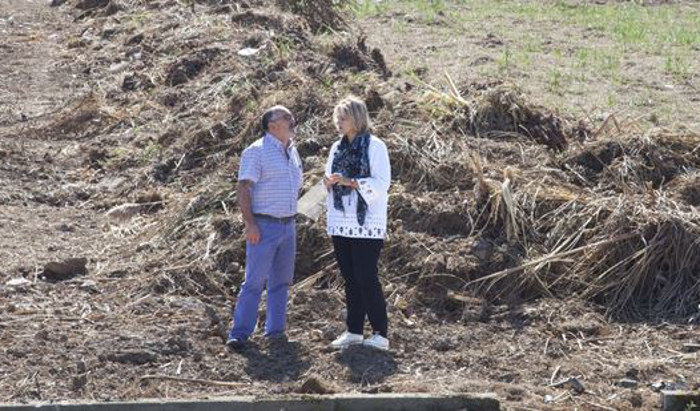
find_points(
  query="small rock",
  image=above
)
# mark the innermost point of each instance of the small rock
(18, 283)
(66, 228)
(146, 246)
(627, 383)
(80, 367)
(123, 212)
(372, 389)
(443, 344)
(90, 286)
(632, 373)
(117, 67)
(483, 250)
(134, 40)
(248, 51)
(315, 385)
(576, 386)
(572, 383)
(59, 271)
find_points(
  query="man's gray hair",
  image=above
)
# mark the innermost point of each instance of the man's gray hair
(273, 114)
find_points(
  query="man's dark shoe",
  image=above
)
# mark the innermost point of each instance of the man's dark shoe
(235, 344)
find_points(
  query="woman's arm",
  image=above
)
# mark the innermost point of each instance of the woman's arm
(371, 188)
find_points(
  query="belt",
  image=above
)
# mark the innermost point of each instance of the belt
(283, 220)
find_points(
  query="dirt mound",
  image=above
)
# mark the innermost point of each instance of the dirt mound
(321, 15)
(686, 187)
(630, 162)
(504, 112)
(357, 57)
(182, 71)
(504, 215)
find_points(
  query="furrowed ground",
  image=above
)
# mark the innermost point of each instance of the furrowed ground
(544, 209)
(586, 58)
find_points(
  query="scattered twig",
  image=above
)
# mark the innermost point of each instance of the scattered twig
(194, 380)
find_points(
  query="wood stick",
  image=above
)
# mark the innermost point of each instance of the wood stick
(194, 380)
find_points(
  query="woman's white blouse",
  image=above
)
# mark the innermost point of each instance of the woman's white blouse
(374, 190)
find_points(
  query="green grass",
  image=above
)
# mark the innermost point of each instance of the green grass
(606, 55)
(150, 152)
(627, 23)
(679, 66)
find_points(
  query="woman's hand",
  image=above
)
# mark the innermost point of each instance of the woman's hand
(348, 182)
(338, 179)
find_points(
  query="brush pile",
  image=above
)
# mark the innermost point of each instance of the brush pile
(497, 198)
(495, 203)
(610, 217)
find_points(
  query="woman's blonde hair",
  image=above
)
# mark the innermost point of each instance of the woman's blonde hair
(356, 109)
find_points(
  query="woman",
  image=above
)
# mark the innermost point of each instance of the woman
(357, 178)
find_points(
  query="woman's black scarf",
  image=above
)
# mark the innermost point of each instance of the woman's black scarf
(352, 161)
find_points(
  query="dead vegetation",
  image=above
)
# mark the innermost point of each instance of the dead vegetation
(496, 205)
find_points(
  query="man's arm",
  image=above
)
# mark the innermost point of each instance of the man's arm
(245, 202)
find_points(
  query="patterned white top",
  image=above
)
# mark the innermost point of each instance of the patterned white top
(276, 174)
(374, 190)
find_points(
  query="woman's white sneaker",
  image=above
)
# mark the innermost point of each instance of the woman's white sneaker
(378, 342)
(347, 339)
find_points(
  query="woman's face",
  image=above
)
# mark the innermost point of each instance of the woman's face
(346, 125)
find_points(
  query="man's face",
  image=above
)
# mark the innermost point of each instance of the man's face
(283, 125)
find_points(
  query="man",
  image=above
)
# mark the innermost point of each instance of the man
(269, 181)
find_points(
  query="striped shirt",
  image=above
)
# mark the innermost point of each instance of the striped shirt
(276, 174)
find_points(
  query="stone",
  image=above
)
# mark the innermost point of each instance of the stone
(89, 286)
(627, 383)
(80, 367)
(18, 283)
(443, 344)
(316, 385)
(483, 250)
(66, 269)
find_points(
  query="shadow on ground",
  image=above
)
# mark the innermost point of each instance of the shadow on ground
(277, 361)
(367, 365)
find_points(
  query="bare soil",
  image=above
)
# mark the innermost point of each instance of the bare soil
(147, 106)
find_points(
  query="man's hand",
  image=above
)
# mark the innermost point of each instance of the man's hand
(252, 233)
(328, 182)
